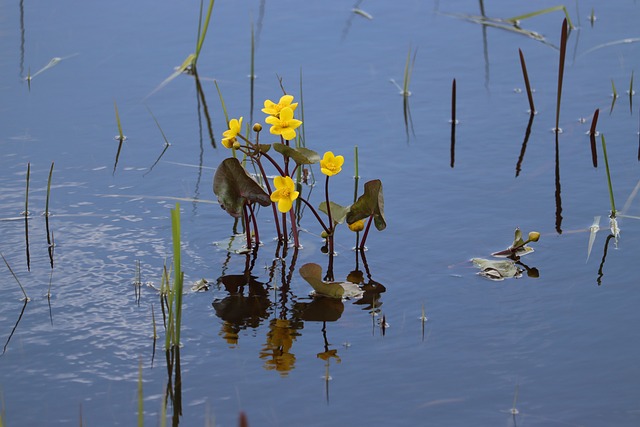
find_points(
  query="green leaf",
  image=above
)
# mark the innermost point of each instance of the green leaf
(265, 147)
(312, 273)
(300, 155)
(517, 238)
(338, 213)
(370, 203)
(234, 188)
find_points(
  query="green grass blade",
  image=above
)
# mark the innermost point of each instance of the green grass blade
(181, 69)
(46, 206)
(252, 76)
(606, 164)
(166, 141)
(224, 106)
(614, 96)
(203, 34)
(178, 276)
(26, 298)
(300, 141)
(542, 12)
(140, 397)
(120, 134)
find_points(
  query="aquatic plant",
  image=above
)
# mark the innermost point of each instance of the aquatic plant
(239, 191)
(563, 51)
(26, 298)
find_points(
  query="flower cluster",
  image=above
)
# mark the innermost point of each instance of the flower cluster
(238, 191)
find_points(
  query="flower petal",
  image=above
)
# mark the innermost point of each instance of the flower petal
(285, 100)
(280, 182)
(228, 142)
(287, 133)
(286, 114)
(284, 205)
(289, 185)
(327, 172)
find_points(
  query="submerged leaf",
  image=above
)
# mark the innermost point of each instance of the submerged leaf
(370, 203)
(300, 155)
(312, 273)
(235, 188)
(338, 212)
(497, 269)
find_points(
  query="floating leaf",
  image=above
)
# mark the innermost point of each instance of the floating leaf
(234, 188)
(497, 269)
(338, 213)
(370, 203)
(300, 155)
(200, 285)
(312, 273)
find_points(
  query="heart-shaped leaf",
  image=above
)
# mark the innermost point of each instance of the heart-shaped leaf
(312, 273)
(234, 188)
(338, 213)
(300, 155)
(370, 203)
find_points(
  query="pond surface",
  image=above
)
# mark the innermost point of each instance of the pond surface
(560, 344)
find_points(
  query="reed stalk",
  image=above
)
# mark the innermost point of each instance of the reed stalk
(26, 217)
(523, 64)
(606, 164)
(563, 51)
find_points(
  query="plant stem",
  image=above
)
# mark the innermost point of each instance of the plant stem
(366, 233)
(294, 229)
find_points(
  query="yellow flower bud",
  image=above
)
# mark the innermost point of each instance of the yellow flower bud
(236, 145)
(534, 236)
(356, 226)
(324, 234)
(257, 127)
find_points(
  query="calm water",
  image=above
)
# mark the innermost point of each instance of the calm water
(568, 345)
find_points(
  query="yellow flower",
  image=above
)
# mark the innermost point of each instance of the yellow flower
(285, 193)
(284, 124)
(274, 109)
(230, 135)
(331, 165)
(356, 226)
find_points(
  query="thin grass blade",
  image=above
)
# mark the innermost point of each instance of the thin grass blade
(515, 19)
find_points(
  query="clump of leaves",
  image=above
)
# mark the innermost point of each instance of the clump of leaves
(511, 267)
(519, 246)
